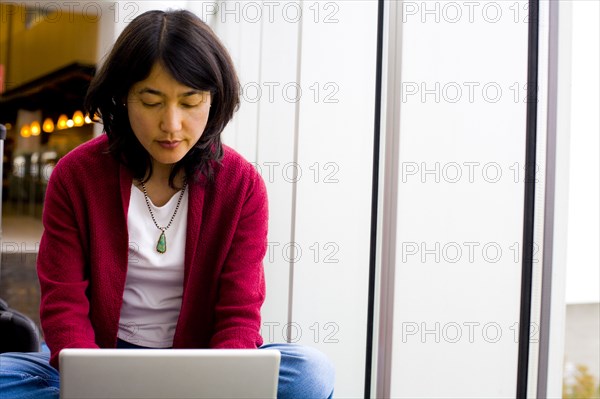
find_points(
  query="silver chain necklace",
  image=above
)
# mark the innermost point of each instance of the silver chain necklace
(161, 245)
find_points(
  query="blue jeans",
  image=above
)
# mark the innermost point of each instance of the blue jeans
(304, 372)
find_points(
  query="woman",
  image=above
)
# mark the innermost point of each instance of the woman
(155, 232)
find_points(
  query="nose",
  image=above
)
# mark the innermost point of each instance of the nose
(171, 119)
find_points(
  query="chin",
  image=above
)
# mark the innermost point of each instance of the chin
(169, 159)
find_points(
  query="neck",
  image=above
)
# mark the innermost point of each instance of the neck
(157, 186)
(161, 173)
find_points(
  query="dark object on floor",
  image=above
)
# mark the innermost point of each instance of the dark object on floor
(18, 333)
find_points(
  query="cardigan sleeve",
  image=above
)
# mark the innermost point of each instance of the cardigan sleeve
(61, 263)
(242, 281)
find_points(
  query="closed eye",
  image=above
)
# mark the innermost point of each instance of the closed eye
(150, 105)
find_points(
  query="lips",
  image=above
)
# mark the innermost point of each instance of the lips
(168, 144)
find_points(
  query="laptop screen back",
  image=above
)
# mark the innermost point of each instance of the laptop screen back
(168, 373)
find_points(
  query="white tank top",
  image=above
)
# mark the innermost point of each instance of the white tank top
(154, 284)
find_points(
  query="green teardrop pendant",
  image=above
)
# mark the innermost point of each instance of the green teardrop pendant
(161, 245)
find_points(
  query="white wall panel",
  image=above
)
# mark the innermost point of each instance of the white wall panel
(334, 189)
(275, 150)
(460, 199)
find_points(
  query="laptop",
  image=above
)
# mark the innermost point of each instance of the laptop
(168, 373)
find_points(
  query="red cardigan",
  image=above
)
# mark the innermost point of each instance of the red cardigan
(82, 261)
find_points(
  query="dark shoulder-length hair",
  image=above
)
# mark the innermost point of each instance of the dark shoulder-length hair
(190, 51)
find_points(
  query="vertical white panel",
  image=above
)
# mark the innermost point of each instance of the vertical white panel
(334, 170)
(460, 199)
(276, 116)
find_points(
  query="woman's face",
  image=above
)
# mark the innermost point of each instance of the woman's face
(166, 116)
